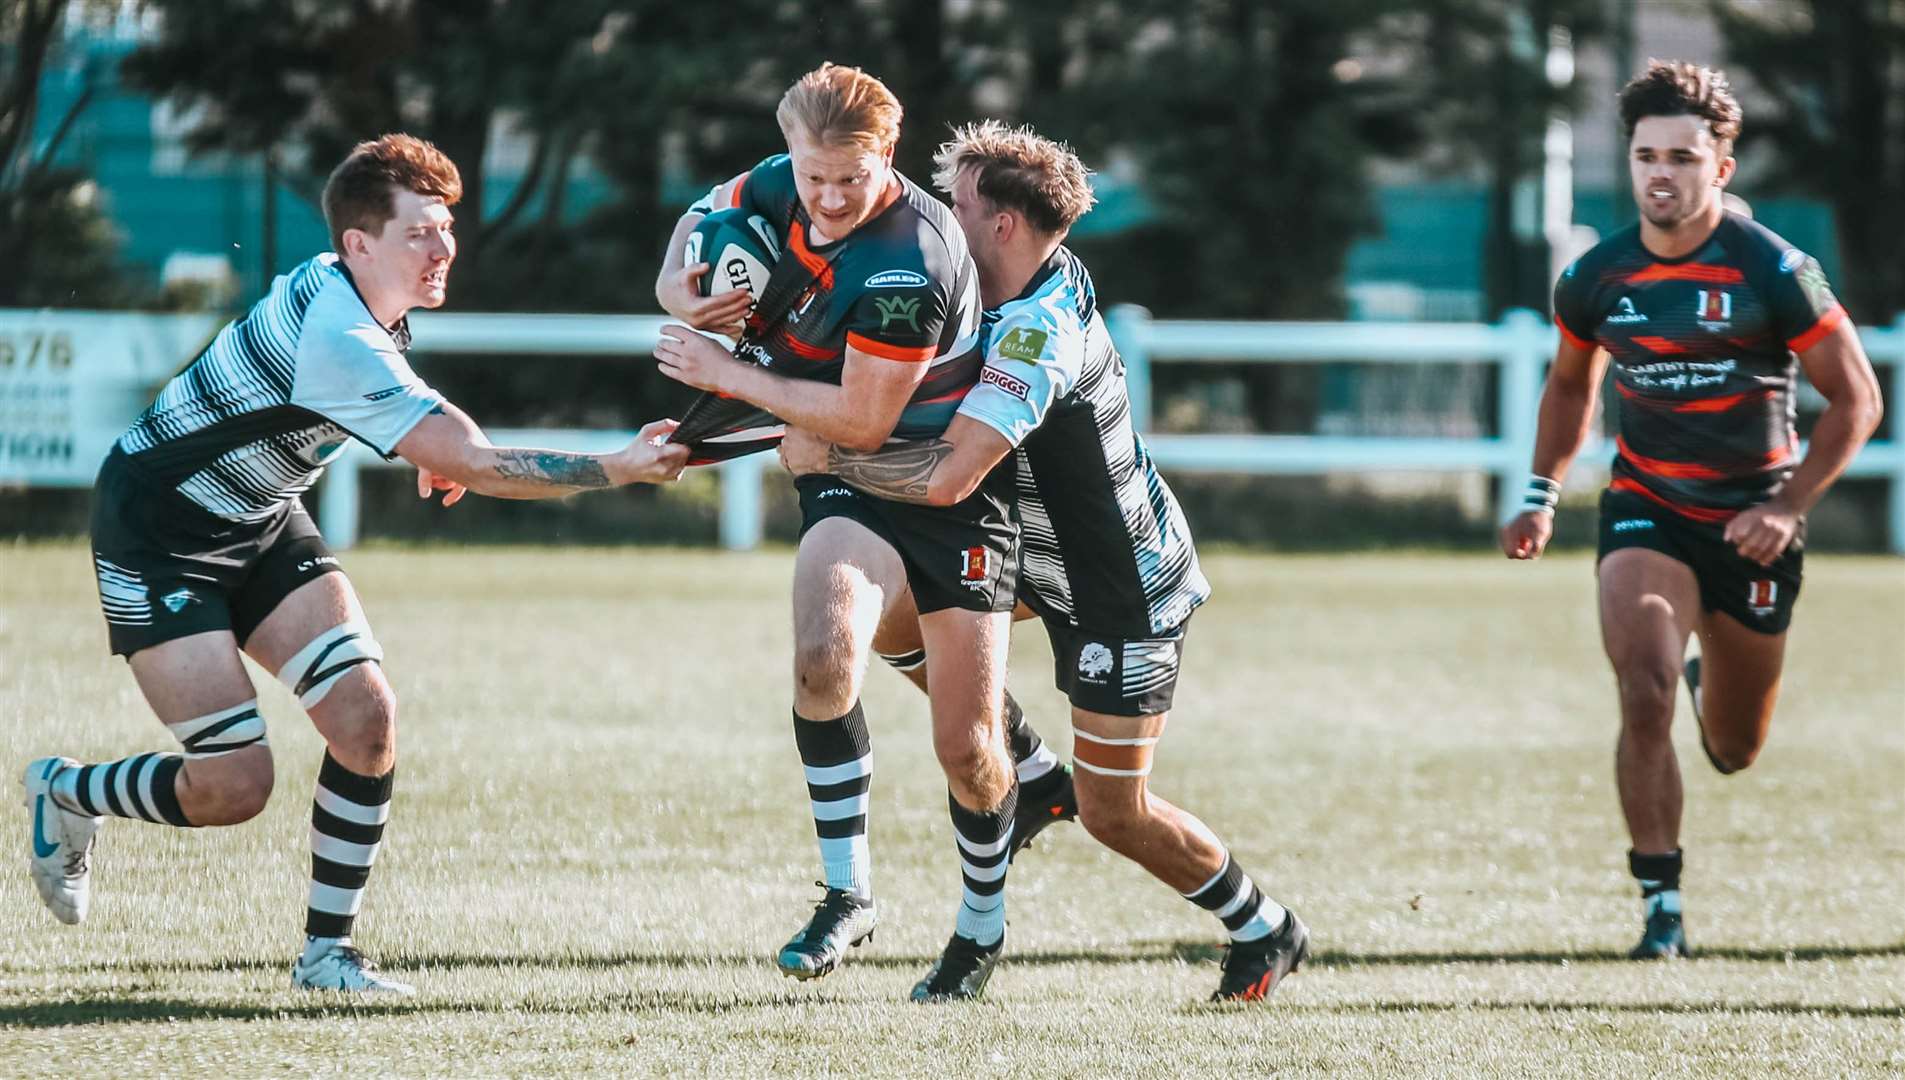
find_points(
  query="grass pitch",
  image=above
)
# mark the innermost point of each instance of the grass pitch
(601, 836)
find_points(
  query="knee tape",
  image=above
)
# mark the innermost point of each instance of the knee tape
(318, 666)
(222, 732)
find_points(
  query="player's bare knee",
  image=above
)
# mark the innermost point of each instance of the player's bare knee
(227, 790)
(359, 723)
(824, 677)
(962, 753)
(1647, 692)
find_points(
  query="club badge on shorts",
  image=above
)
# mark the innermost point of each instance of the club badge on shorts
(1762, 596)
(976, 573)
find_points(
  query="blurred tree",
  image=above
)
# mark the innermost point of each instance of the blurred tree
(60, 247)
(1247, 127)
(307, 79)
(1478, 70)
(1835, 72)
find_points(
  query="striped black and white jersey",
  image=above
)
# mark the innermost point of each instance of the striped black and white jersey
(250, 423)
(1105, 546)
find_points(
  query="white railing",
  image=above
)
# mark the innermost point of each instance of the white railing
(1519, 347)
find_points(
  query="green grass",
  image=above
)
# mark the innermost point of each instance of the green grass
(601, 835)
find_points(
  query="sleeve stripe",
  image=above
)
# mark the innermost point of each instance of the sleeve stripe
(740, 184)
(889, 352)
(1826, 324)
(1570, 336)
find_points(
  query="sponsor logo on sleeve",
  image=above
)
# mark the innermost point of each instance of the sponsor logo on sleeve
(1632, 525)
(898, 309)
(386, 392)
(1791, 260)
(896, 279)
(1023, 343)
(994, 377)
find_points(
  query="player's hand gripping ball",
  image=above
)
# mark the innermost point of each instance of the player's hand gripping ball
(739, 248)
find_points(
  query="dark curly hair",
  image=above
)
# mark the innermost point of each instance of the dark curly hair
(1680, 88)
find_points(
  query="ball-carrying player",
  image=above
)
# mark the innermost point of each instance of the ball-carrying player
(1703, 525)
(1107, 560)
(867, 330)
(203, 550)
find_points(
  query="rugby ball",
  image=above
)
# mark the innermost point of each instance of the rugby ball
(739, 248)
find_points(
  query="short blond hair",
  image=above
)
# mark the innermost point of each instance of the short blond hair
(841, 106)
(1018, 169)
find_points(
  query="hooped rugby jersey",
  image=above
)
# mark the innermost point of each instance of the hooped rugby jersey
(1703, 359)
(250, 423)
(1105, 545)
(901, 287)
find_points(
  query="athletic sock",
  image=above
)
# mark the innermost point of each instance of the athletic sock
(1659, 877)
(1035, 763)
(143, 787)
(984, 841)
(347, 828)
(1230, 895)
(838, 758)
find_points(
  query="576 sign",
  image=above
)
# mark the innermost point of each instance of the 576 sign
(35, 350)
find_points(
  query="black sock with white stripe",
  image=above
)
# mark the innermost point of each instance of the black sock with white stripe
(1246, 913)
(837, 756)
(347, 828)
(1035, 763)
(984, 842)
(143, 787)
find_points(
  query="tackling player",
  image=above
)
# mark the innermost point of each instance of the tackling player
(203, 550)
(1107, 558)
(867, 330)
(1703, 525)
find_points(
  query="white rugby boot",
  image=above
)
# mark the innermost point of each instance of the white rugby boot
(341, 967)
(61, 845)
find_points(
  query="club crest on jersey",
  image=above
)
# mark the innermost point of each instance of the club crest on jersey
(898, 309)
(1624, 312)
(1716, 308)
(975, 571)
(176, 600)
(1762, 596)
(806, 301)
(1094, 662)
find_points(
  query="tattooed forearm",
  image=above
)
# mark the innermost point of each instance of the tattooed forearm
(902, 473)
(552, 468)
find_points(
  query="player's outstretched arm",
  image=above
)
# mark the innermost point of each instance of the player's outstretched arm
(1567, 408)
(679, 294)
(449, 450)
(931, 472)
(1842, 373)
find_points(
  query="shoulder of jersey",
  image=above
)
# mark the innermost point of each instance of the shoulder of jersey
(1760, 248)
(1588, 264)
(889, 252)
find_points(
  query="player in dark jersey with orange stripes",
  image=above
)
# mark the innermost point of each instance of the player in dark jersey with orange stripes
(1702, 312)
(868, 329)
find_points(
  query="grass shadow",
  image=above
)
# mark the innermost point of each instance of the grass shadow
(1663, 1008)
(1190, 952)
